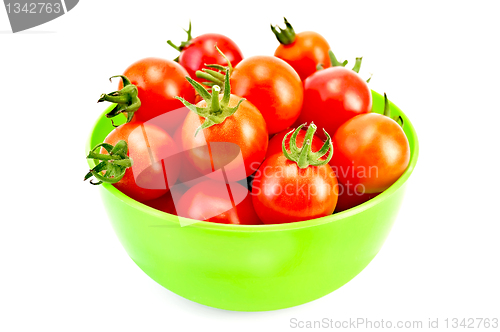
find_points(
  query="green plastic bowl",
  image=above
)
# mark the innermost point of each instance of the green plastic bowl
(255, 268)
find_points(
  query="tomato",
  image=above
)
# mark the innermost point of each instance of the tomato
(275, 143)
(273, 86)
(295, 186)
(303, 51)
(218, 202)
(148, 146)
(198, 51)
(371, 152)
(332, 96)
(215, 133)
(158, 82)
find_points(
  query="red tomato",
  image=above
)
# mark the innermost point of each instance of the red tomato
(282, 192)
(246, 129)
(275, 143)
(371, 152)
(273, 86)
(218, 202)
(201, 50)
(332, 96)
(158, 82)
(148, 145)
(303, 51)
(288, 188)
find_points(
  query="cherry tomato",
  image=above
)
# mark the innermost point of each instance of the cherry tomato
(371, 152)
(219, 128)
(198, 51)
(289, 190)
(158, 82)
(273, 86)
(148, 146)
(218, 202)
(303, 51)
(246, 129)
(332, 96)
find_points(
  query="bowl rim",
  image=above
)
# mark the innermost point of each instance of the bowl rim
(177, 220)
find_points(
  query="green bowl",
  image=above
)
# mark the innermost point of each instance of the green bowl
(255, 268)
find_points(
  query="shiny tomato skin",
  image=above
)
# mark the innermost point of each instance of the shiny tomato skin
(283, 193)
(332, 96)
(246, 129)
(275, 143)
(273, 86)
(145, 180)
(158, 82)
(371, 152)
(307, 51)
(201, 50)
(218, 202)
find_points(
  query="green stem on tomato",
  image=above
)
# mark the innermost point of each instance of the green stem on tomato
(387, 112)
(114, 164)
(357, 65)
(304, 156)
(285, 36)
(126, 100)
(334, 62)
(216, 110)
(210, 78)
(183, 44)
(213, 77)
(387, 109)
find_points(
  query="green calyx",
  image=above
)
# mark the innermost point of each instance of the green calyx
(304, 157)
(183, 44)
(217, 110)
(285, 36)
(335, 63)
(115, 163)
(217, 76)
(387, 112)
(126, 99)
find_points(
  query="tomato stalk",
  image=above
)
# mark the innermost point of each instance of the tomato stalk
(215, 77)
(183, 44)
(336, 63)
(126, 99)
(304, 157)
(285, 36)
(387, 112)
(217, 110)
(114, 164)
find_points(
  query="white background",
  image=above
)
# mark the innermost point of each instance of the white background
(62, 267)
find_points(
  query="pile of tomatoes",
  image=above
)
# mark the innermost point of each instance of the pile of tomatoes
(266, 139)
